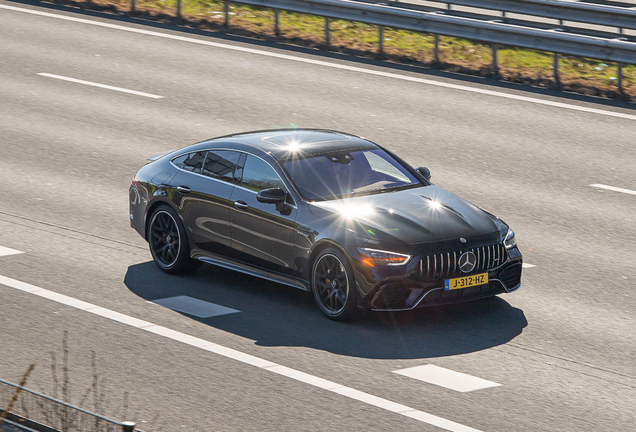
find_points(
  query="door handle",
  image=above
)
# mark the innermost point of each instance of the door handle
(241, 205)
(184, 189)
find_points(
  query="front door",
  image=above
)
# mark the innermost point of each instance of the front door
(262, 235)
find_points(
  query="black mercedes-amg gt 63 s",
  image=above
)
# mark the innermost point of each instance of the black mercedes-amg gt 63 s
(324, 211)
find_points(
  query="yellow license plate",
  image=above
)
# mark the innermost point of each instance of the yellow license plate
(466, 281)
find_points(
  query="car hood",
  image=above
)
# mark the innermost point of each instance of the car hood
(418, 215)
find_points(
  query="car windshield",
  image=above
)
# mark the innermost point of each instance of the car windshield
(332, 174)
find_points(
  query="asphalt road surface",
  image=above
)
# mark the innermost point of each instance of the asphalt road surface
(557, 355)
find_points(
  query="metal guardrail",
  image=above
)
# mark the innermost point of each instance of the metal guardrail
(54, 415)
(406, 16)
(563, 10)
(617, 50)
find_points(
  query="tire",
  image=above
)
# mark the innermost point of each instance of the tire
(336, 296)
(168, 242)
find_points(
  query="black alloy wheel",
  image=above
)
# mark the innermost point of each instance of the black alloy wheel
(168, 242)
(333, 285)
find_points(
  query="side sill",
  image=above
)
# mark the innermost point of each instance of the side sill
(254, 271)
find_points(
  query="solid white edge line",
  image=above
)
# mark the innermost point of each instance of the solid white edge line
(104, 86)
(241, 357)
(528, 265)
(326, 64)
(615, 189)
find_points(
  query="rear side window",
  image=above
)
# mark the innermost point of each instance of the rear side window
(190, 162)
(258, 175)
(221, 164)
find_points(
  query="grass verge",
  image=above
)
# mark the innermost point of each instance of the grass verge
(524, 66)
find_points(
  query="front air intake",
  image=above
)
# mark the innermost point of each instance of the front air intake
(511, 277)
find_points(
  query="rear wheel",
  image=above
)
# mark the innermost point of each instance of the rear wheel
(168, 242)
(333, 285)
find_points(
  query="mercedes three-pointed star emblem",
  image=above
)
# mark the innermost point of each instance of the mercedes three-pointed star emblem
(467, 262)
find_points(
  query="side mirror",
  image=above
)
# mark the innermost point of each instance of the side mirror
(426, 173)
(272, 196)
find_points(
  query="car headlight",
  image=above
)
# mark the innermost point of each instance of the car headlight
(510, 241)
(374, 257)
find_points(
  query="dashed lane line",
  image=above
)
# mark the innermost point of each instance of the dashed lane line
(615, 189)
(4, 251)
(525, 265)
(233, 354)
(447, 378)
(195, 307)
(104, 86)
(325, 63)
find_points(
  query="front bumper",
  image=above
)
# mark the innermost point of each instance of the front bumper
(408, 287)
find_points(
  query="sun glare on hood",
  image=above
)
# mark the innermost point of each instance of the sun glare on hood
(434, 205)
(348, 210)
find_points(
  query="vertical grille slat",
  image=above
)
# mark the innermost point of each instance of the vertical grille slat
(455, 262)
(476, 252)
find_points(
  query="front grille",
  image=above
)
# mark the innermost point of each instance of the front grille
(445, 265)
(511, 277)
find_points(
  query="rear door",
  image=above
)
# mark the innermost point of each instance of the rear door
(262, 235)
(205, 191)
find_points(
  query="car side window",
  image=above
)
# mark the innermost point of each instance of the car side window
(180, 160)
(258, 175)
(191, 162)
(221, 164)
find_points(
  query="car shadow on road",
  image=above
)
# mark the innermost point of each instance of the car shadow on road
(277, 315)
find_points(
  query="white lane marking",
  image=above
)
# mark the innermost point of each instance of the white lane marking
(5, 251)
(528, 265)
(94, 84)
(440, 376)
(615, 189)
(240, 356)
(193, 306)
(326, 64)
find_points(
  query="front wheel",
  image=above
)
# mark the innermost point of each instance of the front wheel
(333, 285)
(168, 242)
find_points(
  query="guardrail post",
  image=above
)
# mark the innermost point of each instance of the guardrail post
(276, 29)
(128, 426)
(495, 65)
(132, 6)
(327, 36)
(380, 39)
(178, 8)
(619, 77)
(226, 8)
(436, 48)
(556, 70)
